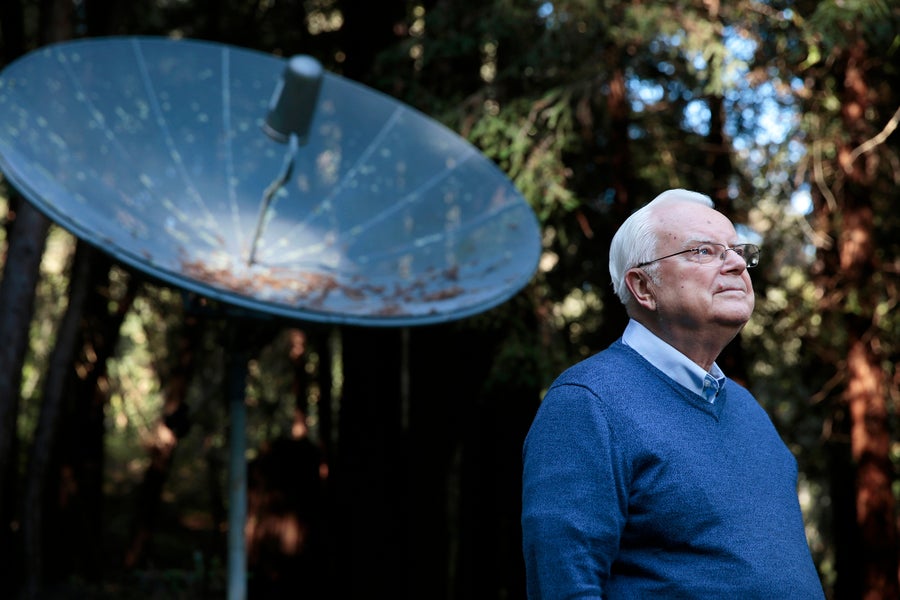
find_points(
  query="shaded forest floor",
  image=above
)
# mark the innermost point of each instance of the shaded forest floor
(185, 558)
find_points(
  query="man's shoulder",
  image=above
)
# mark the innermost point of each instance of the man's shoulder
(617, 360)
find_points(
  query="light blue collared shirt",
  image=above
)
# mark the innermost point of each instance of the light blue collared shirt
(673, 363)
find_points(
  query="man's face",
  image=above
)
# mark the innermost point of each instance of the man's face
(693, 295)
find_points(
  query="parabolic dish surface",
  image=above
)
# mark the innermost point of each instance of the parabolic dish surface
(152, 149)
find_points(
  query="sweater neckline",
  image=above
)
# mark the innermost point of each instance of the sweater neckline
(713, 409)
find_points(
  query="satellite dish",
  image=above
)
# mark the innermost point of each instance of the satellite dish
(263, 182)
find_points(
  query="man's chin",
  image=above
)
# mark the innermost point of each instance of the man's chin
(735, 318)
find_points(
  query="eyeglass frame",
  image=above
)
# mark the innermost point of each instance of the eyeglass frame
(746, 256)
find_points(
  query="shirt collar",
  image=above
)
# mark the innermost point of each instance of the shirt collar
(673, 363)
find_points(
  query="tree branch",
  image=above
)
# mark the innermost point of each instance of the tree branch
(877, 139)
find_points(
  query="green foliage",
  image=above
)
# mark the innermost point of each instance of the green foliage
(528, 138)
(832, 20)
(535, 92)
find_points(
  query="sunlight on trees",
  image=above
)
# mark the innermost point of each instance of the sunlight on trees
(591, 108)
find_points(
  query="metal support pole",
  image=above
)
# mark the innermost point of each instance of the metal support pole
(236, 374)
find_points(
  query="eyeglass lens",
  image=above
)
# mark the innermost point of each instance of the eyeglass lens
(706, 252)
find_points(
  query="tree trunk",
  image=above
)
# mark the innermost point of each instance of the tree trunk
(17, 294)
(17, 290)
(12, 30)
(865, 392)
(51, 414)
(369, 27)
(369, 504)
(870, 445)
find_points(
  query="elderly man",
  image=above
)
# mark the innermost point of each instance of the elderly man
(647, 472)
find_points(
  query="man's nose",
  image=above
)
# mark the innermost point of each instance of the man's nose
(733, 262)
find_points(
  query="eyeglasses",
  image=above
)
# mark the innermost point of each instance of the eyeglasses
(708, 251)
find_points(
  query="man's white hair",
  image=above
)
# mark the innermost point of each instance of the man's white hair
(637, 239)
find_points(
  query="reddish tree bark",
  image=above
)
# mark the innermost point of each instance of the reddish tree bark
(865, 392)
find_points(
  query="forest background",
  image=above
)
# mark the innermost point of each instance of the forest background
(112, 414)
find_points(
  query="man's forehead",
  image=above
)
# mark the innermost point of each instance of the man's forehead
(690, 213)
(691, 222)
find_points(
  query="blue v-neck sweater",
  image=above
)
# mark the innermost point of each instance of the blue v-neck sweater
(635, 487)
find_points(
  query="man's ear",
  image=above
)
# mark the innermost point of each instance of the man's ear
(641, 288)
